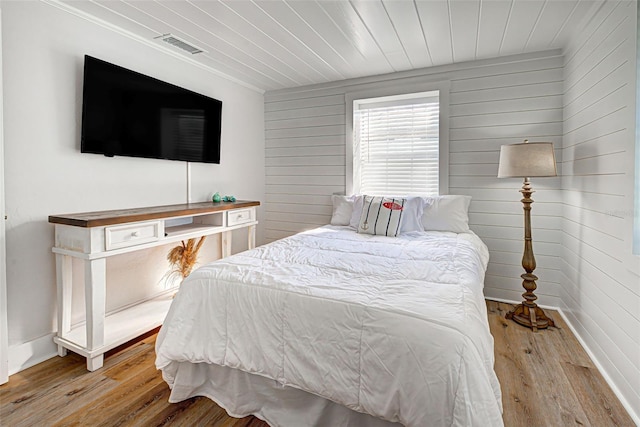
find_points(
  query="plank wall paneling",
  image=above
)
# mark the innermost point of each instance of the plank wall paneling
(4, 331)
(600, 292)
(492, 102)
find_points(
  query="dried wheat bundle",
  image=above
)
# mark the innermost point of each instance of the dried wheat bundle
(184, 256)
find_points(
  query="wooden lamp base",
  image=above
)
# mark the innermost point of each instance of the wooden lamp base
(531, 317)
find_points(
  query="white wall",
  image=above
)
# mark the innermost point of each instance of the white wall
(492, 102)
(43, 48)
(601, 286)
(4, 332)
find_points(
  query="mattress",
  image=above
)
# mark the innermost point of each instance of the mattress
(395, 328)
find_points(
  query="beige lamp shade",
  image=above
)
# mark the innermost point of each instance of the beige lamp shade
(526, 160)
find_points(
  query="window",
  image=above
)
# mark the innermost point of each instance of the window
(398, 143)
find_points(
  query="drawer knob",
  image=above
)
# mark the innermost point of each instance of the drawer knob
(240, 216)
(135, 233)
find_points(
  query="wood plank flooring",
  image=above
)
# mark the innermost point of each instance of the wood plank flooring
(546, 378)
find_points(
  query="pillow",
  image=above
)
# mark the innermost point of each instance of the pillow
(412, 217)
(412, 213)
(357, 212)
(381, 216)
(446, 213)
(342, 209)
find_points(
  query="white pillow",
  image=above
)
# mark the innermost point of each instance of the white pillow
(381, 216)
(411, 216)
(342, 209)
(446, 213)
(357, 212)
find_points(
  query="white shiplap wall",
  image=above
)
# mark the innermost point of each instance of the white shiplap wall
(492, 102)
(600, 290)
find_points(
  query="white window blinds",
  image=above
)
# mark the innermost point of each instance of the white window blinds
(396, 146)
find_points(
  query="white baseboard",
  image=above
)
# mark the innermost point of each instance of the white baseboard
(632, 411)
(635, 416)
(26, 355)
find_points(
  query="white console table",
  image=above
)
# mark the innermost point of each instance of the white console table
(95, 236)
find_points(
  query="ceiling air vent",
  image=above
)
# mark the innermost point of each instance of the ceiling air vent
(181, 44)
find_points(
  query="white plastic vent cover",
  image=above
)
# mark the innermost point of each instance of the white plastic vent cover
(181, 44)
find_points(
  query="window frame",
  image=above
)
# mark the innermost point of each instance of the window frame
(392, 89)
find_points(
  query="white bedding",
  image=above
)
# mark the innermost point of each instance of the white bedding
(392, 327)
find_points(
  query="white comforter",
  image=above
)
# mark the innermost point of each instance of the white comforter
(393, 327)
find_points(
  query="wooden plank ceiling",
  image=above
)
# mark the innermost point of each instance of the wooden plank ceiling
(275, 44)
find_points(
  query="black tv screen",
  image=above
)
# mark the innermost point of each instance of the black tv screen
(125, 113)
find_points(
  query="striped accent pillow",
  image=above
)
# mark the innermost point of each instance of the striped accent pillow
(381, 216)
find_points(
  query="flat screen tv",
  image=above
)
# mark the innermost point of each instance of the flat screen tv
(125, 113)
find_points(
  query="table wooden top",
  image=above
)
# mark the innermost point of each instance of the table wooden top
(121, 216)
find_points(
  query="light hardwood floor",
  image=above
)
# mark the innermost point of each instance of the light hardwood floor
(546, 378)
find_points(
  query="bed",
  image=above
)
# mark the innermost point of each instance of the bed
(332, 327)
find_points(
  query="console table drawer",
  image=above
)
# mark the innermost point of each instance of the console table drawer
(123, 236)
(239, 216)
